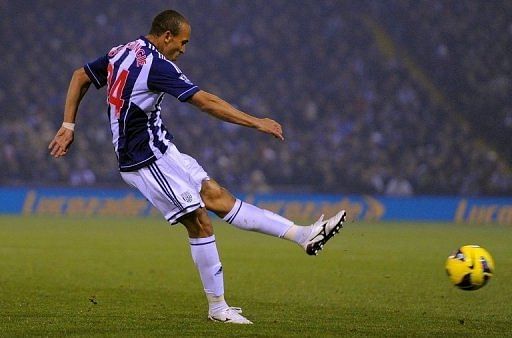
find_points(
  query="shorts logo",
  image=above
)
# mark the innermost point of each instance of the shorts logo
(187, 197)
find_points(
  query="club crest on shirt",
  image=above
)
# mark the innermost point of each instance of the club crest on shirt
(185, 79)
(187, 196)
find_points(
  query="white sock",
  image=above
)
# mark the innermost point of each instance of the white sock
(216, 303)
(298, 233)
(249, 217)
(206, 258)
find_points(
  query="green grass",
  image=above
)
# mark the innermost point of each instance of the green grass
(135, 277)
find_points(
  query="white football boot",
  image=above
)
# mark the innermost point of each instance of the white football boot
(229, 315)
(322, 231)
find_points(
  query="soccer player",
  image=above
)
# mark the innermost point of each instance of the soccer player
(137, 76)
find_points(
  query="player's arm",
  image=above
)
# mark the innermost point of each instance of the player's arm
(78, 86)
(224, 111)
(165, 77)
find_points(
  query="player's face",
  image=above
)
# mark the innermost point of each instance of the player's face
(176, 44)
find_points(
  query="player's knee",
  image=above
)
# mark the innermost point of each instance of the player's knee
(216, 198)
(198, 224)
(199, 230)
(211, 192)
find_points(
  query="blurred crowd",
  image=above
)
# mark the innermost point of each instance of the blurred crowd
(465, 46)
(355, 120)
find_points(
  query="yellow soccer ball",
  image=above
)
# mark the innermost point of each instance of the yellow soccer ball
(470, 267)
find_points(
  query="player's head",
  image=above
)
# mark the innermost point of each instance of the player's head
(170, 32)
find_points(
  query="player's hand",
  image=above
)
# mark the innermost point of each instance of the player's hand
(271, 127)
(61, 142)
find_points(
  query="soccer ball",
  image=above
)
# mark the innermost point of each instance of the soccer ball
(470, 267)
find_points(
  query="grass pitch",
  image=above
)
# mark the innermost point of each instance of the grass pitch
(135, 277)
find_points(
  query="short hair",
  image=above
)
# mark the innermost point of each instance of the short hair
(168, 20)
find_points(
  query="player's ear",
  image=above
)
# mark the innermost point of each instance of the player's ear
(168, 36)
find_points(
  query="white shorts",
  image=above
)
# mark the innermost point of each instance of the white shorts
(172, 183)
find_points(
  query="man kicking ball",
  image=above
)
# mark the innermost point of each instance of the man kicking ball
(138, 75)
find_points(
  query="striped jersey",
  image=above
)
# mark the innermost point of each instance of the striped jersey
(137, 77)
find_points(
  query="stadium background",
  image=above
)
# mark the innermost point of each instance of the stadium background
(394, 110)
(394, 97)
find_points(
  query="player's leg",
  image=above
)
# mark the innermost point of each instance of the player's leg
(172, 185)
(249, 217)
(206, 258)
(242, 215)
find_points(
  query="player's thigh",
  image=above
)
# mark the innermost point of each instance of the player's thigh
(167, 186)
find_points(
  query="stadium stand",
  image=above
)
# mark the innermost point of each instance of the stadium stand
(355, 119)
(465, 46)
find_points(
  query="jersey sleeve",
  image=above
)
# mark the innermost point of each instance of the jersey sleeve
(97, 71)
(165, 77)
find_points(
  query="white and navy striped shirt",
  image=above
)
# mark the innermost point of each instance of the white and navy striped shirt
(137, 77)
